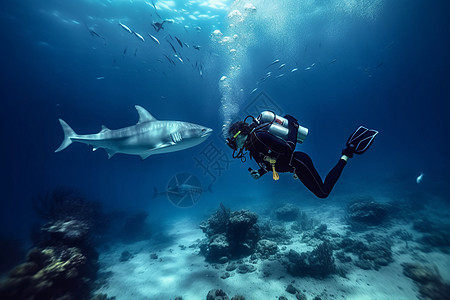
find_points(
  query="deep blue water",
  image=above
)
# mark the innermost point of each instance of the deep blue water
(383, 64)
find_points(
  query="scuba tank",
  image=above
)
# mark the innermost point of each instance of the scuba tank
(279, 126)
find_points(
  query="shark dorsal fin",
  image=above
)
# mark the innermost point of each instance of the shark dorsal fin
(104, 129)
(144, 115)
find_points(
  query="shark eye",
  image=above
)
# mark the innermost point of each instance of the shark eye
(203, 130)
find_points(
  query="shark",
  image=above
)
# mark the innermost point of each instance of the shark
(148, 137)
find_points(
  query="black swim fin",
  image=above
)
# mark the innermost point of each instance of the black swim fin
(359, 141)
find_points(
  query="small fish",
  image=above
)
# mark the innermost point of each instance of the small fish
(196, 47)
(294, 70)
(179, 42)
(138, 36)
(333, 61)
(135, 51)
(125, 28)
(281, 66)
(153, 3)
(419, 178)
(100, 78)
(154, 39)
(179, 58)
(198, 28)
(310, 67)
(187, 46)
(268, 74)
(125, 51)
(173, 48)
(95, 34)
(158, 25)
(254, 90)
(170, 60)
(274, 62)
(279, 76)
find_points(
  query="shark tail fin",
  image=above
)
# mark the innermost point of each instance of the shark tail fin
(68, 135)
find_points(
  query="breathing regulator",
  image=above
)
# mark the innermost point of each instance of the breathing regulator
(270, 121)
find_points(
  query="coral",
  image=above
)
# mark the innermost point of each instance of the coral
(291, 289)
(64, 263)
(304, 223)
(217, 295)
(434, 235)
(245, 268)
(266, 248)
(277, 233)
(318, 263)
(243, 233)
(67, 204)
(49, 273)
(368, 212)
(125, 256)
(230, 234)
(373, 255)
(288, 212)
(218, 246)
(431, 286)
(300, 296)
(216, 223)
(242, 220)
(69, 231)
(440, 239)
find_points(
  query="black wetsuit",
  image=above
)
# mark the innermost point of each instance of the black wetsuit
(262, 144)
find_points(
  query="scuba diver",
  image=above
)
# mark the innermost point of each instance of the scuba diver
(271, 141)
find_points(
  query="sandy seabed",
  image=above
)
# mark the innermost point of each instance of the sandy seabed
(180, 270)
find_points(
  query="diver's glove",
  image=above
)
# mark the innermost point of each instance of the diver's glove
(255, 174)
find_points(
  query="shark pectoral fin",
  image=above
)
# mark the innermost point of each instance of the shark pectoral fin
(110, 153)
(144, 115)
(150, 151)
(166, 145)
